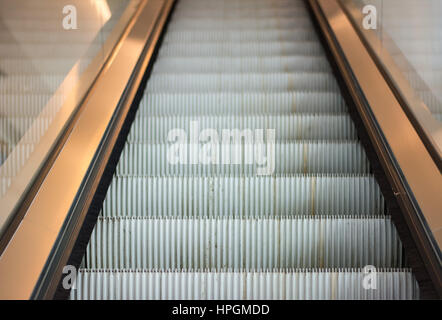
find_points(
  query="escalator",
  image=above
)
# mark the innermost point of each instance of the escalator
(221, 231)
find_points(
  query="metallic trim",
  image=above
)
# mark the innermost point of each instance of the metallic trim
(32, 252)
(414, 176)
(428, 127)
(14, 203)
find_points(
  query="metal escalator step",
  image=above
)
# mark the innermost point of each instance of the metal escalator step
(241, 65)
(248, 159)
(242, 82)
(241, 49)
(236, 10)
(288, 284)
(239, 13)
(233, 5)
(229, 23)
(287, 127)
(240, 103)
(196, 244)
(241, 196)
(264, 13)
(241, 35)
(237, 5)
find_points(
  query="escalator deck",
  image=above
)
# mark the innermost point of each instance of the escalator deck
(313, 226)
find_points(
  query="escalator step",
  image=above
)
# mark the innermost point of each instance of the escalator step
(286, 284)
(242, 82)
(248, 24)
(241, 35)
(269, 64)
(301, 242)
(237, 103)
(223, 159)
(240, 13)
(286, 127)
(241, 196)
(242, 49)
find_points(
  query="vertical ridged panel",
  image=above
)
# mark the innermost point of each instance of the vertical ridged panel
(241, 64)
(240, 158)
(241, 35)
(288, 127)
(246, 23)
(240, 103)
(303, 242)
(242, 82)
(335, 284)
(237, 196)
(213, 49)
